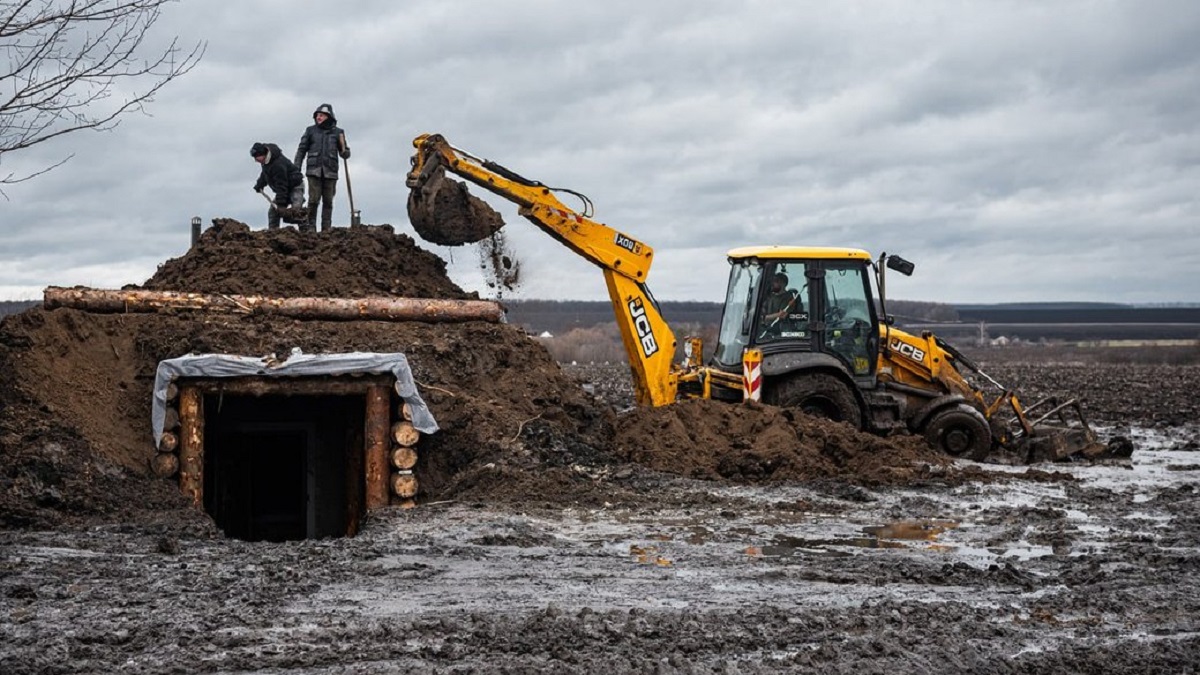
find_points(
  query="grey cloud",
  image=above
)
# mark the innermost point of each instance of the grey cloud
(1022, 150)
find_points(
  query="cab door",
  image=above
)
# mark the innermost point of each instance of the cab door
(844, 315)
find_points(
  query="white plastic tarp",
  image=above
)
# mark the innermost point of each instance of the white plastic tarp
(298, 364)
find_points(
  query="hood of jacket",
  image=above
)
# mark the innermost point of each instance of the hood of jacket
(328, 110)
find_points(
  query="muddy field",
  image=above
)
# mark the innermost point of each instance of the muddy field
(559, 532)
(1068, 568)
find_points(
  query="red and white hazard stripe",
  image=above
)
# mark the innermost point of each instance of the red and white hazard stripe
(752, 375)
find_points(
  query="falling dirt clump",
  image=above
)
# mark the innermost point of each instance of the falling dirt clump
(444, 212)
(756, 443)
(501, 269)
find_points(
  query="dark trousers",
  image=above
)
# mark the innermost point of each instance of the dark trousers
(321, 190)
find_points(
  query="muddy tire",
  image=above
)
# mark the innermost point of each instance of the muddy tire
(821, 395)
(959, 431)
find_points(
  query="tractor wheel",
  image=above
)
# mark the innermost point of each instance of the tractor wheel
(821, 395)
(960, 431)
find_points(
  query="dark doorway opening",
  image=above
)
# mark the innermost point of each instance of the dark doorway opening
(280, 468)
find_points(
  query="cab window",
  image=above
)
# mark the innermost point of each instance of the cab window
(737, 319)
(783, 310)
(849, 330)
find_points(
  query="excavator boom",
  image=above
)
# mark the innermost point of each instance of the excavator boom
(441, 211)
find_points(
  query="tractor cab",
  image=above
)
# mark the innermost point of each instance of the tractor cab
(802, 307)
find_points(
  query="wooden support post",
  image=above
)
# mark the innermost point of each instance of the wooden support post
(191, 444)
(376, 444)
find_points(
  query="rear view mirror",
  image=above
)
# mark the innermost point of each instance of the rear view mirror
(895, 262)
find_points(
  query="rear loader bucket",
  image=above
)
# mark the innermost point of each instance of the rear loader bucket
(1053, 444)
(1063, 434)
(443, 212)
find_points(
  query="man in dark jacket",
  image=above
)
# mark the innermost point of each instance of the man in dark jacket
(282, 176)
(321, 145)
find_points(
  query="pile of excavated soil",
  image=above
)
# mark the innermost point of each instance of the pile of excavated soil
(341, 263)
(712, 440)
(75, 393)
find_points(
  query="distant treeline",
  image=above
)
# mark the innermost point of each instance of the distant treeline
(1101, 314)
(16, 306)
(560, 316)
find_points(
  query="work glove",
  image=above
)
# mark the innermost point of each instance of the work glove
(346, 153)
(258, 189)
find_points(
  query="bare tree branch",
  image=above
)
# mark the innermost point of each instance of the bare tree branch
(67, 61)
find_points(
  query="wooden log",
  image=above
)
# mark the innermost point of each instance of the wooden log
(404, 433)
(166, 464)
(405, 411)
(404, 484)
(170, 418)
(378, 420)
(168, 442)
(292, 386)
(172, 392)
(404, 503)
(404, 458)
(321, 309)
(191, 444)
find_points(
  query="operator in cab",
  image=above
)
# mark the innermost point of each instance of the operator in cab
(780, 301)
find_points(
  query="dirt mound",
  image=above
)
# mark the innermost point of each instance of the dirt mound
(757, 443)
(344, 262)
(75, 393)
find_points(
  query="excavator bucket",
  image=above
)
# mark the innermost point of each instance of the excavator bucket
(1063, 434)
(443, 212)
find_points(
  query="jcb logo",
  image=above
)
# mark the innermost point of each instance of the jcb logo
(905, 349)
(628, 244)
(641, 323)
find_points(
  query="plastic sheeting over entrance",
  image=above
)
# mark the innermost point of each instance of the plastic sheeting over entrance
(298, 364)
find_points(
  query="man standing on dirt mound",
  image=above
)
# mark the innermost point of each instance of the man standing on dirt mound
(322, 144)
(282, 176)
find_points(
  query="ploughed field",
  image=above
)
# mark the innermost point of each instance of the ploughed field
(637, 566)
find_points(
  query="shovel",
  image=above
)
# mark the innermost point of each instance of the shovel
(293, 215)
(354, 215)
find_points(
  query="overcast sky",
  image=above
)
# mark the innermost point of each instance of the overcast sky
(1015, 151)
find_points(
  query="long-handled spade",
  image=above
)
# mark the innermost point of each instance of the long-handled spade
(355, 219)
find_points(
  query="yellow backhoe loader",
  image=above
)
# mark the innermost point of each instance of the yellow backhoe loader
(801, 326)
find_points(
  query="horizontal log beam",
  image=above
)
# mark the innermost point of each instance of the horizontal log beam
(404, 458)
(427, 310)
(404, 484)
(404, 433)
(291, 386)
(166, 464)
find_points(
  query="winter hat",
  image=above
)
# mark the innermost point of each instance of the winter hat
(258, 150)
